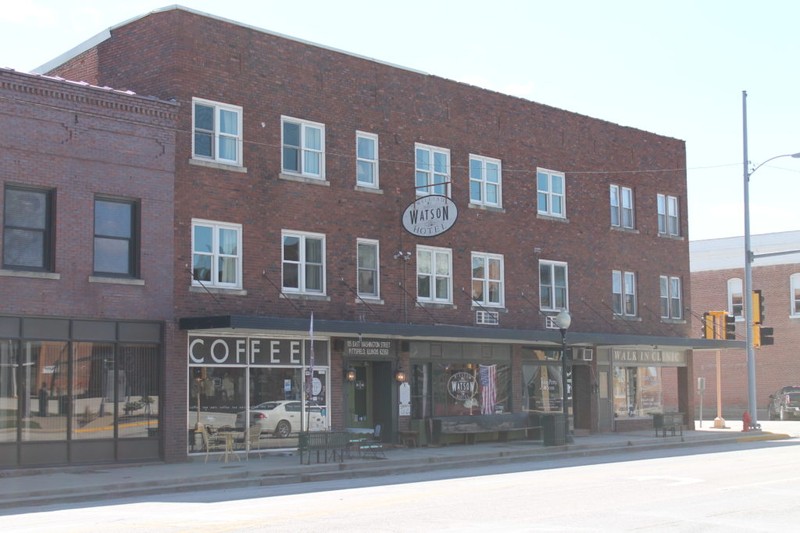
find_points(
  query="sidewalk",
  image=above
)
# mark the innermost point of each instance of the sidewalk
(35, 487)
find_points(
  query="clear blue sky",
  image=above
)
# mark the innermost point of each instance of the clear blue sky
(676, 68)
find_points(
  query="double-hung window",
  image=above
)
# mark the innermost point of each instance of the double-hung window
(366, 159)
(116, 243)
(216, 254)
(217, 132)
(623, 293)
(553, 286)
(735, 298)
(621, 207)
(27, 229)
(671, 299)
(485, 181)
(303, 263)
(432, 170)
(487, 279)
(668, 215)
(368, 269)
(550, 193)
(303, 147)
(794, 296)
(434, 274)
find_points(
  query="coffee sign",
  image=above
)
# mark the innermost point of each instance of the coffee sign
(430, 216)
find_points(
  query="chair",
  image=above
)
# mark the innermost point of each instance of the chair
(254, 441)
(211, 442)
(372, 447)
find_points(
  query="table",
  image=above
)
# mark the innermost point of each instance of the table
(230, 438)
(408, 438)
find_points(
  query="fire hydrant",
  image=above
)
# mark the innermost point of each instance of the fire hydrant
(746, 421)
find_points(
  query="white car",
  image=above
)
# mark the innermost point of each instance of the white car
(282, 418)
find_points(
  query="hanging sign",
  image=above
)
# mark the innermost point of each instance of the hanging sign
(430, 216)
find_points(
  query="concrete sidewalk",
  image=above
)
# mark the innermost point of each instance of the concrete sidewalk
(33, 487)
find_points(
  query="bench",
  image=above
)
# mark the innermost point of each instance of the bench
(668, 421)
(471, 426)
(326, 444)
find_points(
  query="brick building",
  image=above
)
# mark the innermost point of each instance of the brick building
(433, 230)
(86, 287)
(717, 285)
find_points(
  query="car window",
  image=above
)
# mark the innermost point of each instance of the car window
(266, 406)
(292, 407)
(793, 397)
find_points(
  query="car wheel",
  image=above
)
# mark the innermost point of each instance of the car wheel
(283, 429)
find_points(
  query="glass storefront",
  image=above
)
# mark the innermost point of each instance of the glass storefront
(637, 391)
(542, 384)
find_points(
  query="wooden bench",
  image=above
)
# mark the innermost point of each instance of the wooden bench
(326, 444)
(471, 426)
(668, 421)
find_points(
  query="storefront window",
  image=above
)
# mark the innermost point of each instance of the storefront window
(542, 383)
(470, 389)
(42, 380)
(637, 391)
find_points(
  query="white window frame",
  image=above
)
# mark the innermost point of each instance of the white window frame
(441, 268)
(376, 272)
(218, 135)
(553, 304)
(735, 288)
(303, 149)
(622, 211)
(794, 295)
(482, 182)
(366, 161)
(216, 256)
(671, 293)
(546, 199)
(623, 291)
(303, 263)
(487, 280)
(668, 215)
(429, 179)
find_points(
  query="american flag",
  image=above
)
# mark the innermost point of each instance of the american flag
(487, 375)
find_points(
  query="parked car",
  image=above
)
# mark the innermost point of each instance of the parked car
(282, 418)
(785, 403)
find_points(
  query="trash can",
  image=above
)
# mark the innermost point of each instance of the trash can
(553, 429)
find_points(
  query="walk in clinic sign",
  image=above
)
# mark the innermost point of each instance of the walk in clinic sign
(430, 216)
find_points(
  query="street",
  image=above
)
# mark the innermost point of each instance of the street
(753, 486)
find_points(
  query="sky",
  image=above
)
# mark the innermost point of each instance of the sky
(677, 68)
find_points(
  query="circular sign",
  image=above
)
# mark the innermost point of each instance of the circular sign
(461, 386)
(430, 216)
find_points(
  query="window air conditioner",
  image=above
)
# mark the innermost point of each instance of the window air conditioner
(487, 318)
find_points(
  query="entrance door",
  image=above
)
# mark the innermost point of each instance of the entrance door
(369, 397)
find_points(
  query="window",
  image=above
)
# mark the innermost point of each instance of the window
(303, 263)
(735, 297)
(434, 274)
(668, 220)
(553, 286)
(366, 159)
(368, 274)
(621, 207)
(623, 293)
(794, 297)
(550, 193)
(27, 229)
(217, 132)
(303, 148)
(115, 237)
(671, 306)
(484, 181)
(432, 170)
(216, 254)
(487, 279)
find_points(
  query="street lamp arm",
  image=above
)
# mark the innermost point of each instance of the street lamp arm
(796, 156)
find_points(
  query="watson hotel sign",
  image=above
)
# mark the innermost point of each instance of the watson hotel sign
(430, 216)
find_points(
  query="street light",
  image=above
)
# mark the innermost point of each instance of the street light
(562, 321)
(747, 297)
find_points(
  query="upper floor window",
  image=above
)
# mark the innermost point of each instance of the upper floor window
(217, 132)
(735, 298)
(366, 159)
(116, 244)
(621, 207)
(303, 147)
(623, 292)
(484, 181)
(794, 296)
(487, 279)
(216, 254)
(553, 286)
(27, 229)
(668, 215)
(368, 273)
(303, 263)
(671, 298)
(434, 274)
(550, 193)
(432, 170)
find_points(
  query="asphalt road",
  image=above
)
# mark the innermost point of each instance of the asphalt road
(737, 487)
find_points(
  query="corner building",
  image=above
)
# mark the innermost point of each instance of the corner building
(432, 229)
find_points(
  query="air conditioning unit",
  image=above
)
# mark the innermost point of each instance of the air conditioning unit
(585, 354)
(487, 318)
(550, 322)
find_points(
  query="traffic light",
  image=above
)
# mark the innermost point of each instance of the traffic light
(707, 330)
(758, 307)
(765, 336)
(730, 327)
